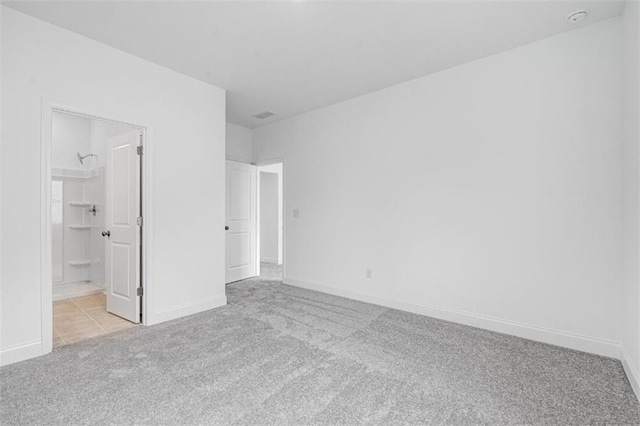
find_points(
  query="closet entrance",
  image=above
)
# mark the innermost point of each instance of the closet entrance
(96, 226)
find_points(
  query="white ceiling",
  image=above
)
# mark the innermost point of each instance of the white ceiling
(292, 57)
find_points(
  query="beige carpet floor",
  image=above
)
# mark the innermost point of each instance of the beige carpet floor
(282, 355)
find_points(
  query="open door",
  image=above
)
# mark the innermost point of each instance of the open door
(241, 221)
(122, 226)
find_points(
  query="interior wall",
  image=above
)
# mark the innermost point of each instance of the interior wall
(42, 61)
(239, 144)
(631, 282)
(70, 244)
(70, 134)
(487, 194)
(268, 217)
(277, 247)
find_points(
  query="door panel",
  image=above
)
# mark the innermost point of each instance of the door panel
(239, 243)
(122, 255)
(239, 192)
(121, 184)
(120, 277)
(241, 220)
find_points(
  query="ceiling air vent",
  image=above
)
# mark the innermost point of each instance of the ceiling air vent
(265, 114)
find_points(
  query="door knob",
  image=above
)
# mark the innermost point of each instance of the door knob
(226, 228)
(106, 233)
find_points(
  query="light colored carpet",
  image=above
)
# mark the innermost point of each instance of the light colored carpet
(279, 354)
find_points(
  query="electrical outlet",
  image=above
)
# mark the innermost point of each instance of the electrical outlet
(296, 213)
(369, 273)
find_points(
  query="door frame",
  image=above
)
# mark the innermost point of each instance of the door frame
(46, 251)
(269, 162)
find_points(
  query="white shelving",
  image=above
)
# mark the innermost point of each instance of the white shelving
(81, 262)
(80, 227)
(83, 204)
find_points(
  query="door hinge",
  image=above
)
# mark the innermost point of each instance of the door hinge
(139, 291)
(139, 149)
(139, 221)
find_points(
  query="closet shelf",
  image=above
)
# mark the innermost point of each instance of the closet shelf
(80, 227)
(83, 204)
(82, 262)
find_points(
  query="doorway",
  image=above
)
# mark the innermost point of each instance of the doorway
(255, 222)
(95, 226)
(270, 220)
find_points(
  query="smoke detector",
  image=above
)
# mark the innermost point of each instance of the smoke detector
(264, 114)
(577, 16)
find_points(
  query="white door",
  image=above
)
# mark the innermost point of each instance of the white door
(122, 233)
(241, 221)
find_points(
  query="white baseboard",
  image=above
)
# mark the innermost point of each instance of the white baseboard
(531, 332)
(77, 294)
(268, 260)
(20, 352)
(186, 309)
(631, 372)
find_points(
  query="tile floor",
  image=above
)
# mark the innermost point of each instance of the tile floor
(84, 317)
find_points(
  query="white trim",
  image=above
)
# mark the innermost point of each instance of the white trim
(268, 260)
(279, 171)
(46, 256)
(186, 309)
(540, 334)
(46, 285)
(148, 213)
(1, 180)
(258, 236)
(630, 371)
(268, 162)
(70, 290)
(21, 352)
(76, 174)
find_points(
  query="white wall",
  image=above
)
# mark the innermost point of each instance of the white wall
(487, 194)
(268, 217)
(239, 144)
(70, 135)
(274, 244)
(70, 244)
(185, 148)
(631, 283)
